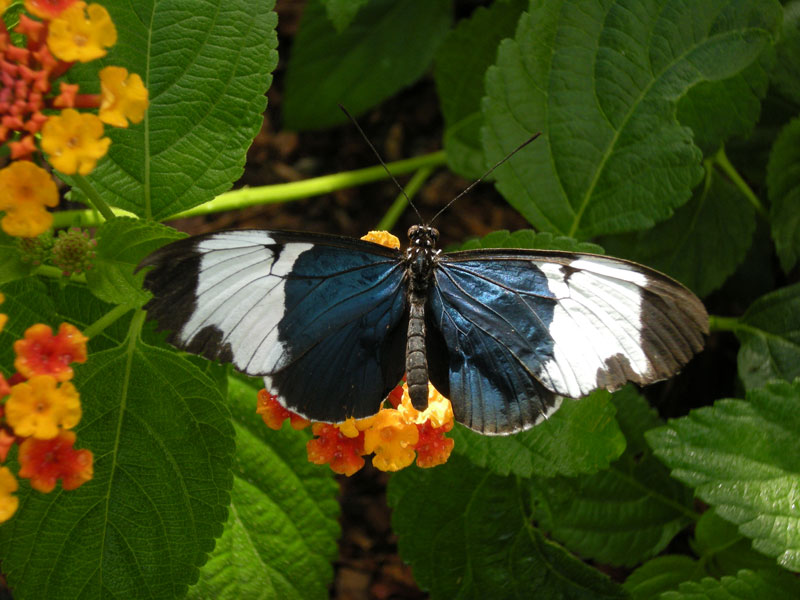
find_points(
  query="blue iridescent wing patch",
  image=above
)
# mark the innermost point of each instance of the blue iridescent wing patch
(520, 328)
(317, 316)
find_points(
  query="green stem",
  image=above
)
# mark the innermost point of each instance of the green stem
(717, 323)
(106, 320)
(56, 273)
(722, 160)
(399, 205)
(93, 197)
(286, 192)
(268, 194)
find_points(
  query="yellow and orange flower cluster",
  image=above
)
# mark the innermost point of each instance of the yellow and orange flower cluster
(39, 406)
(63, 32)
(396, 436)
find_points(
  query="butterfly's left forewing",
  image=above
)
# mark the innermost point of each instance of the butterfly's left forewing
(522, 326)
(317, 316)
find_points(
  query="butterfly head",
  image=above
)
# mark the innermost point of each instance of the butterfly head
(423, 236)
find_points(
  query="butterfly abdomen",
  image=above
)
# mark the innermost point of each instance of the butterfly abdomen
(416, 359)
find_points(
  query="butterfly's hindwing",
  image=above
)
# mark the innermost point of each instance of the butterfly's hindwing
(522, 326)
(319, 317)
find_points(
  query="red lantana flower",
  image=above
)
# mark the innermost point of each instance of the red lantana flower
(45, 461)
(331, 446)
(47, 9)
(42, 353)
(433, 448)
(273, 414)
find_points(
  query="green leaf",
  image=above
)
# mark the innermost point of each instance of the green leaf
(11, 265)
(626, 513)
(388, 46)
(342, 12)
(743, 459)
(460, 65)
(280, 538)
(121, 244)
(661, 574)
(738, 98)
(688, 246)
(206, 67)
(723, 549)
(602, 80)
(747, 585)
(467, 534)
(783, 184)
(162, 444)
(581, 437)
(786, 74)
(527, 238)
(769, 332)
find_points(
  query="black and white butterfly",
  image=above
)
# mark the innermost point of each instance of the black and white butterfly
(332, 323)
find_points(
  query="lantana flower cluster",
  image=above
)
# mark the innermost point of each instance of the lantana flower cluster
(39, 111)
(39, 406)
(396, 436)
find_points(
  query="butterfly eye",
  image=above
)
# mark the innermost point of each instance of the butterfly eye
(412, 231)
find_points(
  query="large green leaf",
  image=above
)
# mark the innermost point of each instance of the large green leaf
(743, 459)
(11, 265)
(386, 47)
(527, 238)
(601, 80)
(141, 528)
(121, 244)
(626, 513)
(461, 63)
(581, 437)
(206, 66)
(747, 585)
(783, 183)
(722, 549)
(280, 538)
(342, 12)
(468, 534)
(769, 332)
(702, 243)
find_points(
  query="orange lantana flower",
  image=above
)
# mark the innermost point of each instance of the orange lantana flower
(47, 9)
(73, 141)
(42, 353)
(25, 190)
(40, 407)
(45, 461)
(331, 446)
(81, 33)
(124, 97)
(273, 414)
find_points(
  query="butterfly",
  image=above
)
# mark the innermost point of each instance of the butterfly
(332, 323)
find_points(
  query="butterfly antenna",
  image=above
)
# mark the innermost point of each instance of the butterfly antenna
(485, 175)
(380, 160)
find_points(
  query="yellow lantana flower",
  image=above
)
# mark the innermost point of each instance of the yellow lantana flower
(439, 411)
(25, 189)
(123, 97)
(391, 439)
(81, 34)
(39, 408)
(8, 485)
(73, 141)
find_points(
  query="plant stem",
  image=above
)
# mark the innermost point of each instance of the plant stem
(286, 192)
(106, 320)
(399, 205)
(717, 323)
(722, 160)
(268, 194)
(93, 197)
